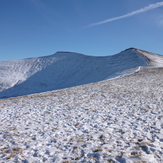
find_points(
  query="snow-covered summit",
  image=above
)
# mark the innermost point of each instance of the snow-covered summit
(66, 69)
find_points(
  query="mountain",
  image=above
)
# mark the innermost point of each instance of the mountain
(66, 69)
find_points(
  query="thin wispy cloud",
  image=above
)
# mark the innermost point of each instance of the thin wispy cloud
(147, 8)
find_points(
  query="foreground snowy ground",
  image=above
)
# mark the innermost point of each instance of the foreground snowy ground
(113, 121)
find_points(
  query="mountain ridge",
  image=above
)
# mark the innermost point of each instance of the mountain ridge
(58, 71)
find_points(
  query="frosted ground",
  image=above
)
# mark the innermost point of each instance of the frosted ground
(113, 121)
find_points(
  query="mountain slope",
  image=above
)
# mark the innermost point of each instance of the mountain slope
(153, 59)
(63, 70)
(118, 121)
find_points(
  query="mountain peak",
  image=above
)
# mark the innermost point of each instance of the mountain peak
(129, 49)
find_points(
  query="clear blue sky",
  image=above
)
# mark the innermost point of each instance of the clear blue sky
(32, 28)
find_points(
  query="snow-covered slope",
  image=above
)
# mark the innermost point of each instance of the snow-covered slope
(153, 59)
(112, 121)
(63, 70)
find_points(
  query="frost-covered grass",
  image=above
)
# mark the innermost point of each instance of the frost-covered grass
(116, 121)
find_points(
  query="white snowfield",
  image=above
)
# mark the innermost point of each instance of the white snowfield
(63, 70)
(112, 121)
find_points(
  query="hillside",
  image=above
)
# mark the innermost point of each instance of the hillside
(65, 69)
(112, 121)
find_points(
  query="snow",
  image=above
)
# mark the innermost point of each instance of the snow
(154, 60)
(119, 120)
(63, 70)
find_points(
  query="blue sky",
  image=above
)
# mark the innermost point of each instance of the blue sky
(32, 28)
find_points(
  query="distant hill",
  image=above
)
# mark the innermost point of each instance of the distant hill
(66, 69)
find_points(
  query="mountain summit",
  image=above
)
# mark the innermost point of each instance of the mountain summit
(66, 69)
